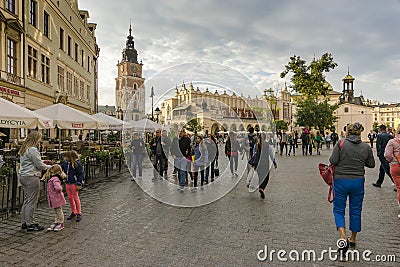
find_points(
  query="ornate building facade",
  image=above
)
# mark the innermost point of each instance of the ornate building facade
(129, 88)
(215, 111)
(48, 54)
(12, 80)
(387, 114)
(353, 108)
(60, 55)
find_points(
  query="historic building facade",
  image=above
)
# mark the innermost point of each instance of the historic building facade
(60, 55)
(215, 111)
(387, 114)
(12, 80)
(353, 108)
(129, 88)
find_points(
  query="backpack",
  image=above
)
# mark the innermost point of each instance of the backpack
(326, 172)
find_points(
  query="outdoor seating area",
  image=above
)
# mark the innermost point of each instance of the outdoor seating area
(100, 156)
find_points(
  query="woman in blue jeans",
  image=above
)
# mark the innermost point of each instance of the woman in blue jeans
(350, 161)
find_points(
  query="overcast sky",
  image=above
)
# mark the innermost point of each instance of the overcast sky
(254, 37)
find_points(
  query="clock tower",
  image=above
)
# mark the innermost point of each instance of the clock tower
(129, 86)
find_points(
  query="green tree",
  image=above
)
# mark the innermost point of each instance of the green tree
(315, 114)
(194, 125)
(375, 127)
(313, 109)
(309, 80)
(281, 125)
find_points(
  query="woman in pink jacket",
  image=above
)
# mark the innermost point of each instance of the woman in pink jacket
(392, 154)
(55, 196)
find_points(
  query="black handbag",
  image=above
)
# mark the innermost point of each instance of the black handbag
(216, 169)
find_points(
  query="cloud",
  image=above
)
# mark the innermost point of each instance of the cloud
(255, 37)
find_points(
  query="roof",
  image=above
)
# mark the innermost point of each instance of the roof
(348, 77)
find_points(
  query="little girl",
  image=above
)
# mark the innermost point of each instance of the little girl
(55, 195)
(73, 168)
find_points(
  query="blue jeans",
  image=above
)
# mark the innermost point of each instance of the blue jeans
(354, 189)
(181, 165)
(328, 144)
(137, 159)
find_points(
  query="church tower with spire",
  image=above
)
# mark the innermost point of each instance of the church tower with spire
(129, 83)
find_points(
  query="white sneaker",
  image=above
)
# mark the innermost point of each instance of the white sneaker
(51, 228)
(58, 227)
(140, 177)
(398, 216)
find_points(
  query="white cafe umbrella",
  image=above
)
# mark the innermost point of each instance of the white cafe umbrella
(15, 116)
(144, 125)
(113, 123)
(66, 117)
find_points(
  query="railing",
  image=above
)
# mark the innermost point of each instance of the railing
(97, 169)
(11, 192)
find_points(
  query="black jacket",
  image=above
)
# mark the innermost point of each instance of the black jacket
(381, 141)
(164, 148)
(138, 146)
(181, 147)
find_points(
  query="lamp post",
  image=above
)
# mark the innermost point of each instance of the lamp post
(158, 112)
(152, 96)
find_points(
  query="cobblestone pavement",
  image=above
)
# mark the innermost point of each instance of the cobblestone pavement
(123, 226)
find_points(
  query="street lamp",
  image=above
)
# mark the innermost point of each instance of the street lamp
(152, 96)
(158, 112)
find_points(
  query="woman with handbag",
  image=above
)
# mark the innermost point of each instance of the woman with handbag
(349, 177)
(392, 155)
(232, 147)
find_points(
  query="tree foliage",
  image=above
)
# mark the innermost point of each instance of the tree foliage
(315, 114)
(281, 125)
(194, 125)
(309, 80)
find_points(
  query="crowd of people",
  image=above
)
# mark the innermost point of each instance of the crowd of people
(309, 141)
(196, 156)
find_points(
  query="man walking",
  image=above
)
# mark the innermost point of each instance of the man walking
(382, 139)
(160, 158)
(371, 138)
(284, 142)
(305, 140)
